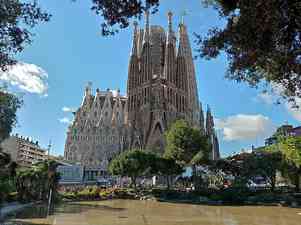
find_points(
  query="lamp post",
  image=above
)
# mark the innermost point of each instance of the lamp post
(49, 179)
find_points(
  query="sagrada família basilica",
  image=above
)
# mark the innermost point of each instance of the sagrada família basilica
(161, 88)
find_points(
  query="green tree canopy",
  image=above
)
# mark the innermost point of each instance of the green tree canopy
(290, 148)
(184, 142)
(262, 40)
(117, 13)
(166, 167)
(16, 17)
(265, 164)
(9, 104)
(246, 166)
(34, 183)
(132, 163)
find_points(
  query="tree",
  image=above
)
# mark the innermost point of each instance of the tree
(35, 183)
(167, 168)
(262, 40)
(228, 166)
(117, 13)
(16, 17)
(246, 166)
(186, 146)
(9, 104)
(265, 164)
(183, 142)
(132, 163)
(7, 175)
(290, 147)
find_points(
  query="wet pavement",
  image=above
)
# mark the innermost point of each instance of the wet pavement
(132, 212)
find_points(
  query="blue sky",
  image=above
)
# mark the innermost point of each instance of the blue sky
(71, 52)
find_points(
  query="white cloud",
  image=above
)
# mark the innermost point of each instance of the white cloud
(245, 127)
(67, 109)
(65, 120)
(28, 77)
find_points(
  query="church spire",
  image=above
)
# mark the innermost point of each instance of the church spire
(88, 89)
(186, 51)
(169, 58)
(87, 96)
(202, 120)
(209, 122)
(170, 31)
(146, 37)
(146, 64)
(133, 71)
(135, 40)
(182, 44)
(181, 77)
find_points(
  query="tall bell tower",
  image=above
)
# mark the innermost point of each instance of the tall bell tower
(161, 83)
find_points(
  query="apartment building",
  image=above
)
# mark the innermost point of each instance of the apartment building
(24, 151)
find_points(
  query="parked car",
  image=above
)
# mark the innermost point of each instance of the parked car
(258, 184)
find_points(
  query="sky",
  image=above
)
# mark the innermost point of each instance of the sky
(69, 51)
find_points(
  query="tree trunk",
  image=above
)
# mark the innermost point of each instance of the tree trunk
(195, 181)
(297, 182)
(273, 183)
(133, 179)
(168, 183)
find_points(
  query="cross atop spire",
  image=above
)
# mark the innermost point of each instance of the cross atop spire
(88, 89)
(169, 14)
(183, 14)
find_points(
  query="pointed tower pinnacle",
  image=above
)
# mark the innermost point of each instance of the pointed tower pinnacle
(169, 58)
(146, 37)
(87, 95)
(181, 48)
(184, 13)
(145, 57)
(97, 92)
(209, 122)
(202, 120)
(186, 51)
(170, 32)
(135, 40)
(88, 89)
(133, 69)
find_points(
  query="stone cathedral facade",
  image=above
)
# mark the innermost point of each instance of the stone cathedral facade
(99, 129)
(161, 88)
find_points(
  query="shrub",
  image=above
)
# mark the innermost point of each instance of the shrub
(234, 195)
